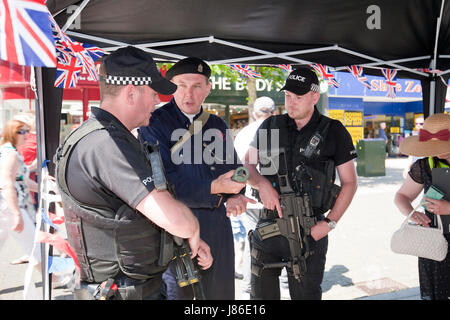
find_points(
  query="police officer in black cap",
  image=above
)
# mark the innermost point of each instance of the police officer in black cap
(200, 160)
(114, 214)
(298, 154)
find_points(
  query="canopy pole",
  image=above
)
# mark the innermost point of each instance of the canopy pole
(41, 151)
(374, 64)
(123, 44)
(432, 109)
(74, 15)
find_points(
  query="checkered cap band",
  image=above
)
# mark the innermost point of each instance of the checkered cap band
(123, 81)
(314, 87)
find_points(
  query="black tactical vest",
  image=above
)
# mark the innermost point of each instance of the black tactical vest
(123, 240)
(294, 169)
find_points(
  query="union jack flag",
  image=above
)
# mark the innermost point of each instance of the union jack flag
(25, 33)
(245, 70)
(94, 52)
(358, 73)
(391, 81)
(326, 74)
(68, 70)
(285, 67)
(78, 50)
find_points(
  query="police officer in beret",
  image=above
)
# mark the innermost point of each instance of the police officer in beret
(114, 215)
(199, 158)
(298, 154)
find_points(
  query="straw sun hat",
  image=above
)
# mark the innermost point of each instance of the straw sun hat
(433, 138)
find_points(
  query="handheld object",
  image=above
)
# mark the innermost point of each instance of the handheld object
(432, 193)
(241, 174)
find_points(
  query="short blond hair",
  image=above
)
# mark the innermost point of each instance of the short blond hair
(106, 90)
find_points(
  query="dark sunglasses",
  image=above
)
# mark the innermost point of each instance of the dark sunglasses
(23, 131)
(421, 123)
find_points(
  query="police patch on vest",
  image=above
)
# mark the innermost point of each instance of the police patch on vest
(147, 180)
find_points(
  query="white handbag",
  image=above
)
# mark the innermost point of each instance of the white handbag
(420, 241)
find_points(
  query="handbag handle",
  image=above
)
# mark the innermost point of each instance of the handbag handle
(439, 221)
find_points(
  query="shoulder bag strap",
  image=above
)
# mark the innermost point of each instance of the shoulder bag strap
(193, 130)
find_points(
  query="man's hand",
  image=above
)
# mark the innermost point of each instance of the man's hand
(204, 257)
(320, 230)
(224, 184)
(237, 204)
(194, 243)
(269, 197)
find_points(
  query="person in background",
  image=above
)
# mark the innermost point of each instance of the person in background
(382, 134)
(28, 151)
(15, 187)
(432, 143)
(263, 108)
(17, 213)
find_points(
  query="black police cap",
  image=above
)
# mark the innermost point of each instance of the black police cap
(301, 81)
(134, 66)
(189, 65)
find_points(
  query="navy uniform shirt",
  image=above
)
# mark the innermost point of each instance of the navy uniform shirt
(195, 165)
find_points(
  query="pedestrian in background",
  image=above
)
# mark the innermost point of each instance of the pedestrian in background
(263, 108)
(432, 143)
(18, 212)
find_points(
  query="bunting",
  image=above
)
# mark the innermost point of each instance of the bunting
(245, 70)
(68, 70)
(285, 67)
(326, 74)
(68, 49)
(358, 73)
(391, 81)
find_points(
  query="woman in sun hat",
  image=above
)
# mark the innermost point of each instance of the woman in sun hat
(432, 143)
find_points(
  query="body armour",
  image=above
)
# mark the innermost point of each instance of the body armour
(124, 241)
(300, 171)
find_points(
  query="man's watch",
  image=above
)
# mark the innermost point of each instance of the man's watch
(331, 224)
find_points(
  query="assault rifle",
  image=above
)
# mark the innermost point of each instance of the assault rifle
(172, 248)
(297, 220)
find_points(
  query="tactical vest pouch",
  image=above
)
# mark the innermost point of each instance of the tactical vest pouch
(268, 231)
(323, 190)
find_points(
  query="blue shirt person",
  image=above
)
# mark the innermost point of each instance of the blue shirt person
(200, 168)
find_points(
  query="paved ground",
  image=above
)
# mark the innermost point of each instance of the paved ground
(360, 264)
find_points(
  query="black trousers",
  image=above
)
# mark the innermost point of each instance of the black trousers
(276, 249)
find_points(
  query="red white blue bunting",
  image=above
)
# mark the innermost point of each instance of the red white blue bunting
(245, 70)
(326, 74)
(391, 81)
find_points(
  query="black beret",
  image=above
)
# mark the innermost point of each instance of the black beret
(131, 65)
(189, 65)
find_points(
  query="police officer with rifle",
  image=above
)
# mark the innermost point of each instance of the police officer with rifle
(298, 154)
(116, 217)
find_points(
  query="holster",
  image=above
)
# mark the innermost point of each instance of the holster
(128, 289)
